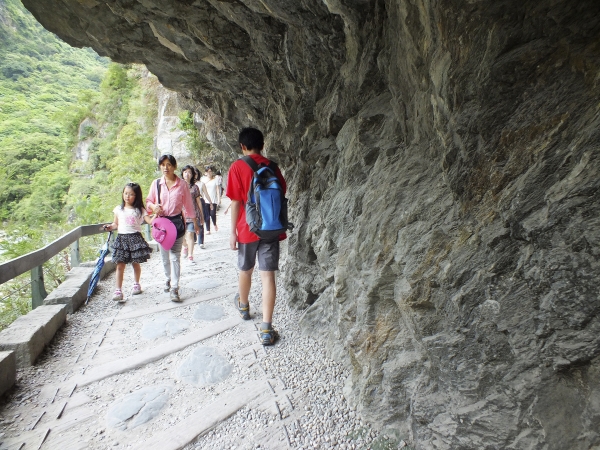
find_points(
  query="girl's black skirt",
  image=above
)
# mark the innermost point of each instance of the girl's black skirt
(131, 248)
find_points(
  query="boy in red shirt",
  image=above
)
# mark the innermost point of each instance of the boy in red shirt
(248, 244)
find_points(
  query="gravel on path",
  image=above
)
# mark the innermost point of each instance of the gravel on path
(297, 396)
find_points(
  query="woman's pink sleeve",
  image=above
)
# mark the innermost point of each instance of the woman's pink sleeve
(188, 204)
(151, 199)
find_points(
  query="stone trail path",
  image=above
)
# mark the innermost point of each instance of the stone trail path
(153, 374)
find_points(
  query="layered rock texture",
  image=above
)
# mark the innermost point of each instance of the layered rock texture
(443, 159)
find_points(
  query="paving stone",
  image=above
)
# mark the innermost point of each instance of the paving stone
(164, 326)
(137, 408)
(204, 366)
(203, 283)
(209, 312)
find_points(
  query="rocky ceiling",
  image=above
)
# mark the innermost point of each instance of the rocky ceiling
(443, 160)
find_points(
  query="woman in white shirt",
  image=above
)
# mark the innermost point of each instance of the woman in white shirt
(214, 199)
(203, 195)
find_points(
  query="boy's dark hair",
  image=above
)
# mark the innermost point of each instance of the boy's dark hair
(171, 159)
(252, 139)
(191, 169)
(138, 203)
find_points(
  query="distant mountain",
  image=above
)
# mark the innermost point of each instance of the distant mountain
(44, 85)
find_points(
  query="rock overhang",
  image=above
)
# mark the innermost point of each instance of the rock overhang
(443, 169)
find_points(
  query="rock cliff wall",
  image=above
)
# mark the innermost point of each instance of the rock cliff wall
(169, 137)
(444, 168)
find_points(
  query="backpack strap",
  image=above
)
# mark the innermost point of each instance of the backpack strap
(248, 160)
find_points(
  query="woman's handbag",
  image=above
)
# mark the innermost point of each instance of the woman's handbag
(177, 219)
(179, 224)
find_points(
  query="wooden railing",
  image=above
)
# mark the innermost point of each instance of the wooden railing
(33, 261)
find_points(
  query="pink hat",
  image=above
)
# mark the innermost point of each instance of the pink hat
(164, 232)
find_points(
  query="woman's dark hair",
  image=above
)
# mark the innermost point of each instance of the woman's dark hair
(171, 159)
(138, 203)
(197, 173)
(191, 169)
(252, 139)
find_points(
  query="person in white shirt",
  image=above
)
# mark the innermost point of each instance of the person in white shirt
(214, 199)
(220, 186)
(130, 247)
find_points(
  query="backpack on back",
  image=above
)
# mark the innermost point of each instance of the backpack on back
(266, 208)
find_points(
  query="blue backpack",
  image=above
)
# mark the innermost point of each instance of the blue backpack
(266, 207)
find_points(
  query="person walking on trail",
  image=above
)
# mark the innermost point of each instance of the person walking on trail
(174, 198)
(214, 198)
(248, 244)
(130, 246)
(189, 175)
(219, 178)
(203, 193)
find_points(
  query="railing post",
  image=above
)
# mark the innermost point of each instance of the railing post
(38, 290)
(147, 232)
(75, 254)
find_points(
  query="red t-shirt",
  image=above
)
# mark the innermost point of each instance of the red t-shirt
(238, 184)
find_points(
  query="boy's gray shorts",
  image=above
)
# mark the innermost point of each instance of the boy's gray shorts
(268, 255)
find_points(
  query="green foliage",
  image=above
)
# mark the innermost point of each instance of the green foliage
(123, 154)
(15, 300)
(115, 79)
(47, 90)
(15, 295)
(199, 148)
(47, 199)
(20, 241)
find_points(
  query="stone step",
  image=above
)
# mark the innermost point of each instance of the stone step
(109, 369)
(73, 291)
(131, 313)
(29, 334)
(206, 417)
(8, 370)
